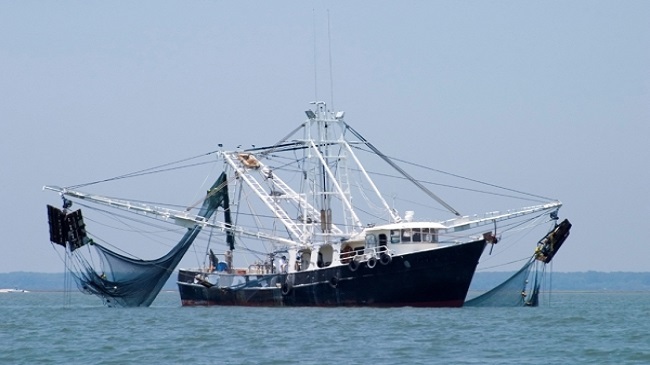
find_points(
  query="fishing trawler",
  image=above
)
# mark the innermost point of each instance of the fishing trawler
(304, 223)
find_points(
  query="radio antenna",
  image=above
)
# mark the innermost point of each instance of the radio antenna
(315, 58)
(329, 44)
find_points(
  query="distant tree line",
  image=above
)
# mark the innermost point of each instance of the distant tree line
(558, 281)
(574, 281)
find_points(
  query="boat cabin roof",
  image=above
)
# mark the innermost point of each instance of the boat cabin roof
(406, 225)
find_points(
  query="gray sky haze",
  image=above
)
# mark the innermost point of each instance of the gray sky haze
(546, 97)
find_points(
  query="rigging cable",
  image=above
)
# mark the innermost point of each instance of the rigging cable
(462, 177)
(504, 264)
(150, 170)
(401, 171)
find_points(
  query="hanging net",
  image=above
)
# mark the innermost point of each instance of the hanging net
(510, 293)
(522, 288)
(120, 280)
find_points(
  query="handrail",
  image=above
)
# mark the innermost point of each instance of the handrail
(365, 254)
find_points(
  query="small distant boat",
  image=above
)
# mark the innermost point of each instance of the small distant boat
(13, 291)
(302, 239)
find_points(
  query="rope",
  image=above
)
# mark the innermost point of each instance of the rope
(151, 170)
(504, 264)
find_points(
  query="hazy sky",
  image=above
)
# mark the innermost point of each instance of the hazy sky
(550, 97)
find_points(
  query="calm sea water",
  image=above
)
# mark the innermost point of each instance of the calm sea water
(576, 328)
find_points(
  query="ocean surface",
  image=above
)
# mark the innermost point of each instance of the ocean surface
(573, 328)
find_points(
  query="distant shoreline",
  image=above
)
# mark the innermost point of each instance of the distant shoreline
(579, 282)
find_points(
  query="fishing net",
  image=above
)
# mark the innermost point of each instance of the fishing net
(522, 288)
(129, 282)
(510, 293)
(120, 280)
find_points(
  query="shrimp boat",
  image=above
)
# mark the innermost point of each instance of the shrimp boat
(303, 223)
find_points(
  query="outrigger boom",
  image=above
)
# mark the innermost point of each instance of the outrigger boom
(182, 218)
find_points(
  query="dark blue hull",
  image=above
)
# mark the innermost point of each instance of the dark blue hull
(434, 278)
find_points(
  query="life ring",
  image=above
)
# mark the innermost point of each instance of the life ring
(353, 265)
(372, 262)
(286, 288)
(385, 259)
(334, 282)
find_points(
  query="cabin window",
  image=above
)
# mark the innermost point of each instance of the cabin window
(434, 235)
(394, 236)
(429, 235)
(417, 237)
(406, 235)
(371, 240)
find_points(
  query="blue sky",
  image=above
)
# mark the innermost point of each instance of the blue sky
(548, 97)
